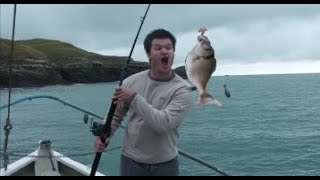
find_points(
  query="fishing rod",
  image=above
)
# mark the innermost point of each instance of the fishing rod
(107, 126)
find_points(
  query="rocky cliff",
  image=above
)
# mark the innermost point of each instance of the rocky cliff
(33, 74)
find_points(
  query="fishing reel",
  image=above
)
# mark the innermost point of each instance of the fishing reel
(95, 127)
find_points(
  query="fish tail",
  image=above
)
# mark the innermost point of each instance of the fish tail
(206, 98)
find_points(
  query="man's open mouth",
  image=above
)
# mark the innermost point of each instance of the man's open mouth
(164, 60)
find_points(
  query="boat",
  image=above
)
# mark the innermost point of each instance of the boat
(45, 161)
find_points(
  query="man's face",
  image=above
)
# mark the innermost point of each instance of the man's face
(161, 55)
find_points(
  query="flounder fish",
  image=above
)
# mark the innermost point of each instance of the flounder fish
(200, 64)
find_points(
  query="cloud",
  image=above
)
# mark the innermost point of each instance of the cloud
(274, 40)
(240, 33)
(280, 67)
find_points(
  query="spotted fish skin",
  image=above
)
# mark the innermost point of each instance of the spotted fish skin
(200, 64)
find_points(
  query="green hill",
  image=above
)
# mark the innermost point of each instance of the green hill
(56, 52)
(21, 51)
(40, 62)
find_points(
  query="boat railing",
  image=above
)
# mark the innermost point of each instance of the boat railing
(181, 152)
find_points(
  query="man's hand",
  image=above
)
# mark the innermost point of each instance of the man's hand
(100, 146)
(122, 94)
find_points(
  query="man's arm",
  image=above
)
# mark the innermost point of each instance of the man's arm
(168, 118)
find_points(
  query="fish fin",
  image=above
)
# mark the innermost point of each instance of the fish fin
(205, 98)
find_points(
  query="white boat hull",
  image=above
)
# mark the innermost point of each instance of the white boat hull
(66, 166)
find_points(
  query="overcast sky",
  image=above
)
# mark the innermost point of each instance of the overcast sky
(248, 39)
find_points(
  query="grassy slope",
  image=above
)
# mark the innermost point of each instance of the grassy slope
(57, 52)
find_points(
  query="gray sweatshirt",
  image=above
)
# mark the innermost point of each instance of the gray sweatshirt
(156, 112)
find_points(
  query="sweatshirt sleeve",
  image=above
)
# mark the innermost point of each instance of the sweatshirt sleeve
(165, 119)
(118, 116)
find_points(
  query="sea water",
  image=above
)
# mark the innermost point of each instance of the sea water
(269, 126)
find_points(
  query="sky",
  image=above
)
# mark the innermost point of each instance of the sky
(247, 38)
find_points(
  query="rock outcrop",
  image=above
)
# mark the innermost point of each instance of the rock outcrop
(32, 74)
(29, 75)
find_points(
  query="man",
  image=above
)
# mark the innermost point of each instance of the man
(158, 100)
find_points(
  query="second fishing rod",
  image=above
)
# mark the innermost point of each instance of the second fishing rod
(106, 130)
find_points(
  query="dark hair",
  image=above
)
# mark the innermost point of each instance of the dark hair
(158, 34)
